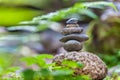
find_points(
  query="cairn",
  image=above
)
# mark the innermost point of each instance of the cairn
(73, 36)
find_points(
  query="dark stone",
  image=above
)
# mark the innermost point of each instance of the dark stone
(72, 45)
(78, 37)
(67, 31)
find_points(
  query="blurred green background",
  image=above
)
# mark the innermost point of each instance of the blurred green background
(30, 28)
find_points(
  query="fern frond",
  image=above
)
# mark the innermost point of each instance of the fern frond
(80, 8)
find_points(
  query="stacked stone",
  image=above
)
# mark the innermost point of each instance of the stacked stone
(73, 36)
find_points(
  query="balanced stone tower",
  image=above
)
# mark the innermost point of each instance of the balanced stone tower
(73, 39)
(72, 36)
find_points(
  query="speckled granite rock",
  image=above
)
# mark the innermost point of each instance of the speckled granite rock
(93, 65)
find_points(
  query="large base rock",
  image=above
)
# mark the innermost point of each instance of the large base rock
(93, 65)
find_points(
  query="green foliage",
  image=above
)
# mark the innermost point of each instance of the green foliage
(51, 72)
(71, 64)
(45, 74)
(38, 60)
(105, 39)
(6, 61)
(110, 59)
(28, 74)
(80, 8)
(46, 71)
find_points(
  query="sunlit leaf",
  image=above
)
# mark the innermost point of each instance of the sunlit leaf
(28, 74)
(71, 64)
